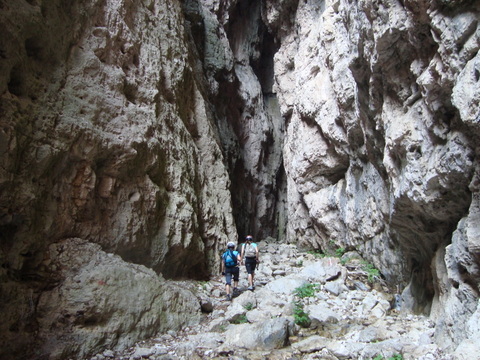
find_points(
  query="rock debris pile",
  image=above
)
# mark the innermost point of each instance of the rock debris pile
(303, 307)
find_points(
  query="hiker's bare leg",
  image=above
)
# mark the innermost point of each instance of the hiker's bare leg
(227, 288)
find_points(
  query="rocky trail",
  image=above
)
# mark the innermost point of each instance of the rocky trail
(344, 309)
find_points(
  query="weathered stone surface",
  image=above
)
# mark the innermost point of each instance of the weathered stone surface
(372, 148)
(311, 344)
(457, 303)
(247, 299)
(106, 135)
(100, 296)
(322, 270)
(285, 285)
(320, 315)
(235, 312)
(269, 334)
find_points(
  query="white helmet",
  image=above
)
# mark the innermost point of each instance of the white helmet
(230, 244)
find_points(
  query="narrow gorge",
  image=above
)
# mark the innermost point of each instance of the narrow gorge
(138, 137)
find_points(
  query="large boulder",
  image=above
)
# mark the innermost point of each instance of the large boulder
(266, 335)
(98, 297)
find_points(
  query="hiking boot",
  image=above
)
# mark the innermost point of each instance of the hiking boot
(229, 297)
(250, 288)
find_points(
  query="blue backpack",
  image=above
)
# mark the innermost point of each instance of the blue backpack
(229, 258)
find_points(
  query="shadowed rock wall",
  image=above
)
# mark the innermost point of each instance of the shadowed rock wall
(105, 137)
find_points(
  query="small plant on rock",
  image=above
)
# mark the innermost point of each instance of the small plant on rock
(372, 272)
(317, 253)
(248, 306)
(339, 252)
(203, 284)
(307, 290)
(242, 319)
(301, 317)
(394, 357)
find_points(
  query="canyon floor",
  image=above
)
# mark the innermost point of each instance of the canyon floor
(345, 310)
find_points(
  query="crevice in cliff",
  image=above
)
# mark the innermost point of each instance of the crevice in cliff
(263, 64)
(421, 236)
(16, 85)
(254, 152)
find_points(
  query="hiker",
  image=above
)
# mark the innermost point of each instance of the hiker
(230, 260)
(250, 254)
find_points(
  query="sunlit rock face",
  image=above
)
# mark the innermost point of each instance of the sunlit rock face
(137, 137)
(381, 100)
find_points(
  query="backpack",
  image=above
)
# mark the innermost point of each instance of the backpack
(250, 251)
(230, 258)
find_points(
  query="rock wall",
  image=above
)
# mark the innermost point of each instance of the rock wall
(238, 62)
(381, 102)
(142, 135)
(106, 136)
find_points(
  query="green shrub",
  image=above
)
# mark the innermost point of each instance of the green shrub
(248, 306)
(394, 357)
(317, 253)
(372, 272)
(339, 252)
(242, 319)
(307, 290)
(301, 317)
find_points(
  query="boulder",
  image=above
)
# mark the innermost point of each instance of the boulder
(321, 315)
(99, 295)
(266, 335)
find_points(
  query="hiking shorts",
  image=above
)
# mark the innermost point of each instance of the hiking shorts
(250, 265)
(229, 272)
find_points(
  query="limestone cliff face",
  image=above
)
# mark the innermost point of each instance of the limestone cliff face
(380, 148)
(137, 137)
(381, 102)
(106, 136)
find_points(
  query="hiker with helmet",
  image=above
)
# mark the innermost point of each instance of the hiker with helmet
(230, 260)
(250, 254)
